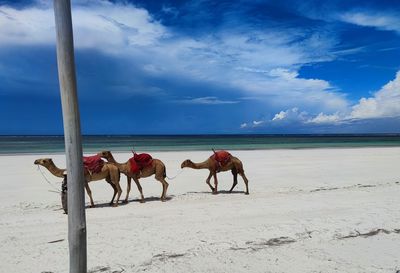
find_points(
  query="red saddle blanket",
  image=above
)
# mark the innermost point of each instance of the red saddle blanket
(93, 164)
(140, 161)
(222, 157)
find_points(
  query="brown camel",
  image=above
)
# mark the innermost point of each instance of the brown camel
(109, 172)
(233, 164)
(157, 168)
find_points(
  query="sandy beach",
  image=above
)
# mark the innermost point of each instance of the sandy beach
(315, 210)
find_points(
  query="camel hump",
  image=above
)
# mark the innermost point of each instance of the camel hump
(143, 157)
(221, 157)
(140, 161)
(93, 164)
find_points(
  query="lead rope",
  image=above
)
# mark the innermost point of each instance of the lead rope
(48, 182)
(171, 178)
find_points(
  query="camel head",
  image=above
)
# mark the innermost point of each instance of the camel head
(49, 165)
(186, 163)
(45, 162)
(105, 154)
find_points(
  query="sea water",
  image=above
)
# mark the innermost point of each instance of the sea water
(94, 144)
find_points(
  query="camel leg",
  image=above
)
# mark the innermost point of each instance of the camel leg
(128, 188)
(115, 180)
(234, 173)
(246, 181)
(208, 182)
(140, 189)
(114, 188)
(116, 183)
(165, 187)
(115, 192)
(215, 183)
(89, 192)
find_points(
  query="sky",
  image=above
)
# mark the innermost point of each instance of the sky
(206, 67)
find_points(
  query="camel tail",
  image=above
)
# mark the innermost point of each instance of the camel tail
(171, 178)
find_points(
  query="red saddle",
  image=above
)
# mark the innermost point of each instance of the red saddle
(222, 157)
(92, 164)
(140, 161)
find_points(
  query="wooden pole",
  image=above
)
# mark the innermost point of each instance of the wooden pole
(73, 142)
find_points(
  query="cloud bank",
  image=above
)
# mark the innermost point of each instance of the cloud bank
(254, 62)
(384, 103)
(382, 21)
(245, 60)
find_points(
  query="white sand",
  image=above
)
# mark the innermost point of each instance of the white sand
(301, 203)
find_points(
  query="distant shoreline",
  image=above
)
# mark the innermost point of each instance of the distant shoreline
(60, 153)
(218, 135)
(157, 143)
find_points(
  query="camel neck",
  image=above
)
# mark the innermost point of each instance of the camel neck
(112, 159)
(55, 171)
(120, 166)
(201, 165)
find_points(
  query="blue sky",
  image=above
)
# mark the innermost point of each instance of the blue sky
(206, 67)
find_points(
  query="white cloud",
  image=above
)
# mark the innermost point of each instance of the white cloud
(290, 115)
(295, 116)
(280, 116)
(103, 25)
(284, 73)
(384, 103)
(382, 19)
(372, 19)
(263, 63)
(322, 118)
(253, 124)
(257, 122)
(283, 87)
(207, 100)
(26, 26)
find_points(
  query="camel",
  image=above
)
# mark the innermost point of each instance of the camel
(234, 165)
(109, 172)
(157, 168)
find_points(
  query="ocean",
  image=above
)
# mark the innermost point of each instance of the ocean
(94, 144)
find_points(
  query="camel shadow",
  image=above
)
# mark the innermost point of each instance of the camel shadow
(219, 192)
(151, 199)
(122, 203)
(104, 205)
(230, 192)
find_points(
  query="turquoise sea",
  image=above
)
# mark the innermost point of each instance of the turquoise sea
(93, 144)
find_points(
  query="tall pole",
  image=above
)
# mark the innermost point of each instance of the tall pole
(72, 133)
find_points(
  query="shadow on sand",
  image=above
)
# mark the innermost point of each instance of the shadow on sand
(103, 205)
(151, 199)
(219, 192)
(121, 203)
(157, 199)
